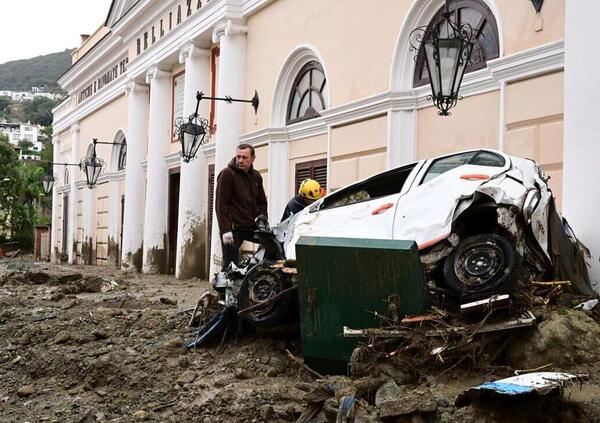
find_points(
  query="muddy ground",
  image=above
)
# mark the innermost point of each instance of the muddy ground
(85, 344)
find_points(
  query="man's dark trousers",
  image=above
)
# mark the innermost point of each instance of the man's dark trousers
(231, 252)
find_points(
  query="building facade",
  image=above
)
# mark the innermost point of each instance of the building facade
(17, 132)
(342, 97)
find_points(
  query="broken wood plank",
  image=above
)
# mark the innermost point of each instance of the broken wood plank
(528, 319)
(551, 283)
(495, 302)
(420, 318)
(373, 332)
(289, 270)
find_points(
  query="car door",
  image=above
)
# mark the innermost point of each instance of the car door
(425, 212)
(362, 210)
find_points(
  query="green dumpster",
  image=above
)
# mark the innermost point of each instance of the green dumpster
(342, 282)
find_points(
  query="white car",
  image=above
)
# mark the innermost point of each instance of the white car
(482, 220)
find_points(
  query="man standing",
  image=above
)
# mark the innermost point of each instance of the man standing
(240, 199)
(308, 193)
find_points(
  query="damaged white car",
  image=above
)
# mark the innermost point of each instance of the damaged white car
(482, 221)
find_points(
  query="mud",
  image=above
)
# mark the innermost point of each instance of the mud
(87, 251)
(156, 259)
(113, 251)
(88, 344)
(134, 259)
(193, 263)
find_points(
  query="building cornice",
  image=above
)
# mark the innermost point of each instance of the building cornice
(527, 63)
(105, 52)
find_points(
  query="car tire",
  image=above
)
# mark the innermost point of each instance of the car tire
(258, 285)
(482, 266)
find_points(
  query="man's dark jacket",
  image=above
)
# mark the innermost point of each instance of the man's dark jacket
(295, 205)
(240, 198)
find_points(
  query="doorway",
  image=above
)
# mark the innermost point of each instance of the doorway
(65, 224)
(121, 231)
(174, 181)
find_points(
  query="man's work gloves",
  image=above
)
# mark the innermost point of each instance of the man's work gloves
(228, 238)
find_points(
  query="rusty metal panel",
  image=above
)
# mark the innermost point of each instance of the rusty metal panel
(343, 282)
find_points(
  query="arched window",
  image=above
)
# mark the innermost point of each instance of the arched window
(307, 97)
(122, 155)
(481, 19)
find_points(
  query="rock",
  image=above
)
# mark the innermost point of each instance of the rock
(394, 401)
(57, 296)
(267, 412)
(174, 347)
(69, 304)
(100, 417)
(187, 377)
(243, 374)
(69, 277)
(388, 392)
(443, 402)
(25, 391)
(140, 415)
(99, 334)
(167, 301)
(62, 337)
(183, 362)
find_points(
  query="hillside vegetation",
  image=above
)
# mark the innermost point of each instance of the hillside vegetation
(21, 75)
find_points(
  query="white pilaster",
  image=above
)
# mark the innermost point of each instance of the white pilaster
(54, 228)
(230, 117)
(72, 229)
(159, 132)
(278, 178)
(114, 220)
(88, 214)
(191, 231)
(135, 176)
(402, 138)
(581, 197)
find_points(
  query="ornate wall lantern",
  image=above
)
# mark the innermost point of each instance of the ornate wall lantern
(48, 179)
(195, 131)
(447, 46)
(92, 165)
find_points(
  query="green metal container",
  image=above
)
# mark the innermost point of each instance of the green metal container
(342, 282)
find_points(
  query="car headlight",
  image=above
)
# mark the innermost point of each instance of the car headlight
(531, 202)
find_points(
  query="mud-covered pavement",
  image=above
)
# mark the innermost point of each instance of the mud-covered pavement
(106, 346)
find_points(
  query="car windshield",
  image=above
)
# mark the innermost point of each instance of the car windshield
(479, 158)
(387, 183)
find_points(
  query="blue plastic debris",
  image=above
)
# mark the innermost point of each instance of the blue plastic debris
(539, 383)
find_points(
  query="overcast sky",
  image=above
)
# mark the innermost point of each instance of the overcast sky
(29, 28)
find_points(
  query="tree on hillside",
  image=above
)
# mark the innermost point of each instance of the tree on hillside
(5, 107)
(19, 193)
(39, 110)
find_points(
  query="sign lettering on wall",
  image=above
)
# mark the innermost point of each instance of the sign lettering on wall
(103, 80)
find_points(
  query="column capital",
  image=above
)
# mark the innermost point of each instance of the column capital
(55, 139)
(75, 128)
(228, 27)
(155, 72)
(135, 87)
(191, 50)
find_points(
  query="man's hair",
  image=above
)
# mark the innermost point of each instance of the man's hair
(247, 147)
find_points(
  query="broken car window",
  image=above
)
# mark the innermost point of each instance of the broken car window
(387, 183)
(479, 158)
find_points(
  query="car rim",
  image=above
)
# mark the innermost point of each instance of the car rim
(479, 264)
(261, 289)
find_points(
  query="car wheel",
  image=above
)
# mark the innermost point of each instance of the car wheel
(258, 286)
(481, 266)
